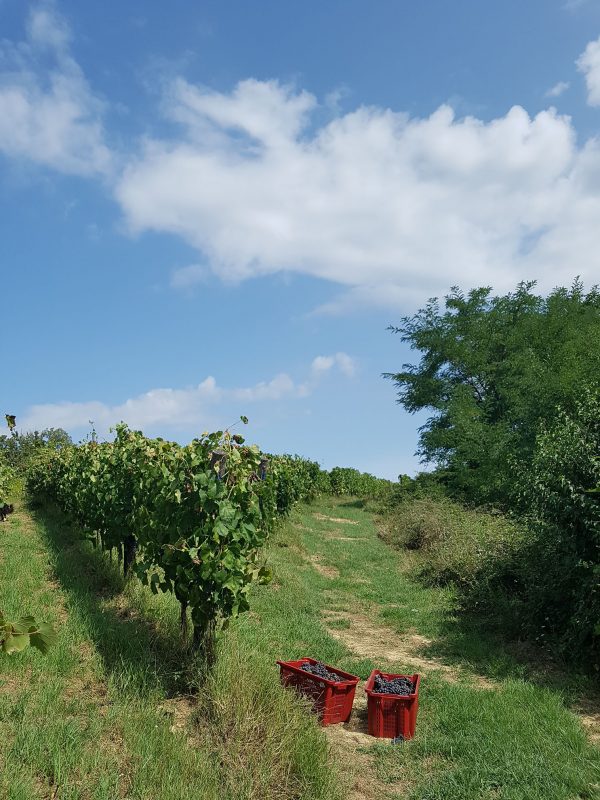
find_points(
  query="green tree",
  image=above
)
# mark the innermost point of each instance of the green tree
(18, 449)
(491, 370)
(560, 568)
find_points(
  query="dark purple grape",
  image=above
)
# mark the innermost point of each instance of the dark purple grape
(319, 670)
(401, 686)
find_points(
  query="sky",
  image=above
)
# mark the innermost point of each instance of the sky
(217, 208)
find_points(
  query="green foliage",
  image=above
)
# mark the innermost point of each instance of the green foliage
(7, 476)
(559, 571)
(538, 578)
(17, 636)
(347, 481)
(192, 513)
(289, 480)
(19, 449)
(456, 544)
(189, 520)
(293, 479)
(492, 369)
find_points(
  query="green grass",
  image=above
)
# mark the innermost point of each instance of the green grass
(516, 741)
(108, 713)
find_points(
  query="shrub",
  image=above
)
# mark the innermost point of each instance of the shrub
(456, 543)
(7, 476)
(19, 449)
(559, 570)
(538, 577)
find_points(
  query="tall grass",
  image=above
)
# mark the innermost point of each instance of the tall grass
(456, 543)
(117, 708)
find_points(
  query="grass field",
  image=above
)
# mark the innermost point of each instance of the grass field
(116, 709)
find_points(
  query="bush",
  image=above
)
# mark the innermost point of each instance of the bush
(289, 480)
(538, 577)
(7, 476)
(559, 570)
(456, 544)
(192, 514)
(19, 449)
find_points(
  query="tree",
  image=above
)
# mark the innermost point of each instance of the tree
(558, 570)
(19, 448)
(491, 369)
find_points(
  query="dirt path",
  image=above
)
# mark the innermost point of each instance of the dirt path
(369, 639)
(354, 565)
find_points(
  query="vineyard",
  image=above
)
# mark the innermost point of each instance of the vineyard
(160, 584)
(188, 520)
(120, 546)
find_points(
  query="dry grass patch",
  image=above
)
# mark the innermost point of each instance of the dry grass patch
(371, 640)
(340, 520)
(322, 569)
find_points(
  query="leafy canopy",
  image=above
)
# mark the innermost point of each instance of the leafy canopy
(491, 369)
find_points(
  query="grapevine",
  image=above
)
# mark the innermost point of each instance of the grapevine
(25, 632)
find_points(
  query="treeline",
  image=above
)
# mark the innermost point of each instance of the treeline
(513, 387)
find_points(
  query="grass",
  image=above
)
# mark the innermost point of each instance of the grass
(510, 735)
(456, 543)
(109, 712)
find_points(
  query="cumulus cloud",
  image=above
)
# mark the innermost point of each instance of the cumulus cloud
(391, 207)
(323, 364)
(48, 113)
(589, 64)
(558, 89)
(193, 408)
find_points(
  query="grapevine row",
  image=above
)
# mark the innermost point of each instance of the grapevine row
(184, 519)
(189, 520)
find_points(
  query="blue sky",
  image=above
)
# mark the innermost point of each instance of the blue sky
(217, 208)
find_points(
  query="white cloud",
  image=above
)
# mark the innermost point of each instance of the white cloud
(393, 208)
(346, 364)
(589, 64)
(48, 113)
(197, 407)
(277, 388)
(46, 28)
(558, 89)
(323, 364)
(390, 208)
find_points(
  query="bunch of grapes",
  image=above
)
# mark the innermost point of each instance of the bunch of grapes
(401, 686)
(320, 671)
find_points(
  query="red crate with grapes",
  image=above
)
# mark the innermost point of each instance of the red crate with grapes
(393, 702)
(330, 690)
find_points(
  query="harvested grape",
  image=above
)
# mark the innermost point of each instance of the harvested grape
(401, 686)
(319, 670)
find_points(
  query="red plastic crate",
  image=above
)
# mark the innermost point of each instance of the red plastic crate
(392, 715)
(331, 700)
